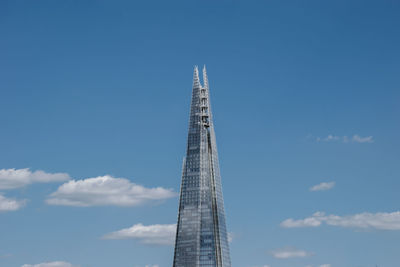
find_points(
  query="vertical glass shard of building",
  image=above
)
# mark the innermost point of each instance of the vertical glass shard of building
(201, 237)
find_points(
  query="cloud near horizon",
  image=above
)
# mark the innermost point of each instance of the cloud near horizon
(289, 252)
(106, 191)
(378, 221)
(51, 264)
(10, 204)
(15, 178)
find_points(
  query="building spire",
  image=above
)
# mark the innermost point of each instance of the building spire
(205, 78)
(196, 78)
(201, 236)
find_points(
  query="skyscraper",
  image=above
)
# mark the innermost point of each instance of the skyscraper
(201, 236)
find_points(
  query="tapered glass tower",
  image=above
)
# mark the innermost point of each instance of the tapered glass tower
(201, 237)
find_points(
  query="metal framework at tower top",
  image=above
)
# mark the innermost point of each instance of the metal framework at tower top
(201, 236)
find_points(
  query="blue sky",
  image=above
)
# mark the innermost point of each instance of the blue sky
(305, 98)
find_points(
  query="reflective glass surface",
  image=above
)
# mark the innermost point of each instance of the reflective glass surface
(201, 238)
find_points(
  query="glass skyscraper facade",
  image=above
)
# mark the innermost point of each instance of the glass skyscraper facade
(201, 236)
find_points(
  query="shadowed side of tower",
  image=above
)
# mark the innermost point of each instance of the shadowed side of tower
(201, 237)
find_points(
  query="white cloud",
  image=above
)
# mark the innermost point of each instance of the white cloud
(379, 221)
(358, 139)
(289, 252)
(14, 178)
(307, 222)
(106, 190)
(51, 264)
(325, 265)
(9, 204)
(157, 234)
(322, 186)
(345, 139)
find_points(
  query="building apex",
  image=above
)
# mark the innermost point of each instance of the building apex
(196, 78)
(205, 78)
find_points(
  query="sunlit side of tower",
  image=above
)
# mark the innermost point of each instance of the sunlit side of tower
(201, 237)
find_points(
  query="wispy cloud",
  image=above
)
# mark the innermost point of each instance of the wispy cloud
(10, 204)
(345, 139)
(379, 221)
(157, 234)
(325, 265)
(322, 186)
(51, 264)
(289, 252)
(358, 139)
(14, 178)
(231, 236)
(3, 256)
(106, 190)
(329, 138)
